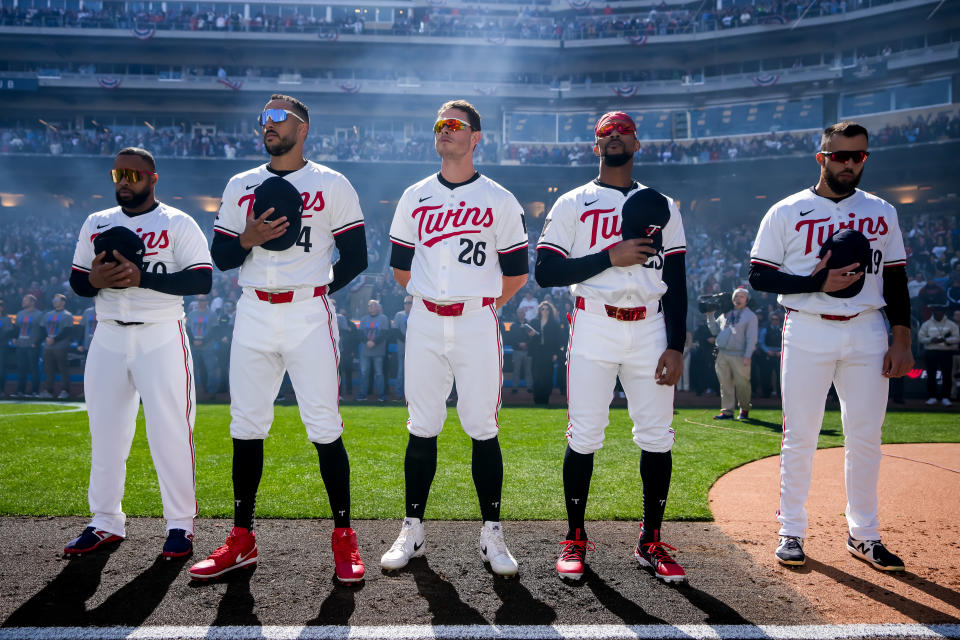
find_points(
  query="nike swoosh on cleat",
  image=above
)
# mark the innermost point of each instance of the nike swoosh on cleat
(803, 213)
(484, 550)
(241, 557)
(416, 547)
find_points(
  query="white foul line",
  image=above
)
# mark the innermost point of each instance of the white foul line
(490, 632)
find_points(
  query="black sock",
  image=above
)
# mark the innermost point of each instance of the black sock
(488, 477)
(419, 467)
(247, 469)
(577, 471)
(335, 471)
(655, 470)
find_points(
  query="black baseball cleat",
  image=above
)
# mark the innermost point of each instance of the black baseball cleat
(790, 551)
(179, 544)
(90, 540)
(875, 553)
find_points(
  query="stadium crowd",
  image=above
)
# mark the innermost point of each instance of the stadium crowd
(35, 263)
(478, 21)
(165, 142)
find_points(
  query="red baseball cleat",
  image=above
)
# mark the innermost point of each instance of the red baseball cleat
(573, 555)
(654, 555)
(240, 550)
(346, 556)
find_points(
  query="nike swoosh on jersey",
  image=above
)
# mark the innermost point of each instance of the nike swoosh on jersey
(251, 186)
(101, 226)
(803, 213)
(425, 198)
(587, 204)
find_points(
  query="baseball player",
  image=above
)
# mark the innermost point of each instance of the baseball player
(629, 321)
(285, 322)
(830, 336)
(140, 353)
(460, 250)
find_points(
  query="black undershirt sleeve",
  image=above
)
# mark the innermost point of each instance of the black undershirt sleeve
(515, 263)
(764, 278)
(226, 252)
(897, 295)
(401, 257)
(80, 283)
(553, 270)
(352, 246)
(674, 301)
(182, 283)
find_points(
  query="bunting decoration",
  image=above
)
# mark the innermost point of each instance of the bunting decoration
(232, 84)
(637, 41)
(497, 40)
(626, 90)
(766, 79)
(143, 33)
(485, 91)
(351, 86)
(109, 82)
(329, 36)
(579, 5)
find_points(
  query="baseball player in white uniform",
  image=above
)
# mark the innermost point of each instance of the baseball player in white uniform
(285, 322)
(629, 321)
(460, 249)
(839, 340)
(140, 352)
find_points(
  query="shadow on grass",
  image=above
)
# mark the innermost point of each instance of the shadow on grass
(913, 610)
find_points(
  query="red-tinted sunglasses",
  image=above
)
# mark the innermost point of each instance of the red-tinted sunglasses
(843, 156)
(622, 128)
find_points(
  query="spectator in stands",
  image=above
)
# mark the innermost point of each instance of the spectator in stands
(932, 294)
(953, 293)
(29, 336)
(200, 323)
(529, 305)
(58, 327)
(915, 285)
(374, 327)
(518, 338)
(349, 342)
(545, 337)
(399, 325)
(736, 333)
(939, 337)
(7, 331)
(767, 359)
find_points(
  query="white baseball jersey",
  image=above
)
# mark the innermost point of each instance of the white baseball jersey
(330, 207)
(587, 220)
(453, 233)
(793, 230)
(173, 242)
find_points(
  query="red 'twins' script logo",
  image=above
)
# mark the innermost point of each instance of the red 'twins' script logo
(151, 239)
(818, 232)
(602, 223)
(316, 204)
(433, 221)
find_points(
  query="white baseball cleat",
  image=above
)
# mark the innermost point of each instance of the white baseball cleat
(409, 544)
(493, 549)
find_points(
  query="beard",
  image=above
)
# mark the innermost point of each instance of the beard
(616, 159)
(132, 201)
(279, 146)
(839, 187)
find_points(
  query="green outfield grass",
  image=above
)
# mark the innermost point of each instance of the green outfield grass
(45, 462)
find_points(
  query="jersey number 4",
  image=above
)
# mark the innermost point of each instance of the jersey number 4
(304, 239)
(473, 253)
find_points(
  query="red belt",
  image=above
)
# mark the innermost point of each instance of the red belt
(455, 309)
(827, 316)
(627, 314)
(279, 297)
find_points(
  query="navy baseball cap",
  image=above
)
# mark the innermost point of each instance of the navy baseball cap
(847, 246)
(286, 201)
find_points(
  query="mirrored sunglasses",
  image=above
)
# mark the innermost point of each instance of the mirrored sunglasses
(452, 124)
(133, 176)
(622, 128)
(277, 115)
(843, 156)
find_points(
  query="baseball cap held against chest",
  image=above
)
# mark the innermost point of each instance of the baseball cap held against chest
(847, 246)
(286, 201)
(124, 241)
(644, 215)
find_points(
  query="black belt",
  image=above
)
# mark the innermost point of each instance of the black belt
(126, 324)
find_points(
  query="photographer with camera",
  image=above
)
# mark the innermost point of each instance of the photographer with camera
(939, 336)
(736, 332)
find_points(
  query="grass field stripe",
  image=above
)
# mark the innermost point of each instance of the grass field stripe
(489, 632)
(717, 426)
(44, 413)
